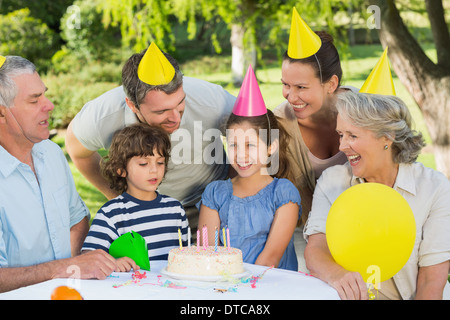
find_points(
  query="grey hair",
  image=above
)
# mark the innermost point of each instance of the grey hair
(136, 90)
(385, 116)
(13, 66)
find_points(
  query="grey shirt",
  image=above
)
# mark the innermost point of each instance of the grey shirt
(197, 156)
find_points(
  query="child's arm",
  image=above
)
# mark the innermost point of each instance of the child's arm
(125, 264)
(210, 218)
(281, 231)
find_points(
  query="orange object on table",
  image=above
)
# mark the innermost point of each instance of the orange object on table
(65, 293)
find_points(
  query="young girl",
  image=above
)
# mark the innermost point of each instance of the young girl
(135, 166)
(259, 209)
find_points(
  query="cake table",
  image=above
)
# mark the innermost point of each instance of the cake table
(261, 283)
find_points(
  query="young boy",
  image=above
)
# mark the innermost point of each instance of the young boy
(135, 166)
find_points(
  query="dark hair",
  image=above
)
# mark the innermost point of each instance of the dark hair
(136, 90)
(133, 141)
(262, 122)
(328, 57)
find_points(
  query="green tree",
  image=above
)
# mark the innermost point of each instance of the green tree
(427, 82)
(49, 12)
(142, 21)
(29, 37)
(85, 36)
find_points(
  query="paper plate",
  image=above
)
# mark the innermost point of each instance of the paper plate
(219, 278)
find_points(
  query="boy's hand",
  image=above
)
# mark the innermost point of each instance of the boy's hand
(125, 264)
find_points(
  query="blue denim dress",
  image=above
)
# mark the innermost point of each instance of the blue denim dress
(249, 219)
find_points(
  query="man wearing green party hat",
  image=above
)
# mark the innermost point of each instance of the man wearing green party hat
(155, 92)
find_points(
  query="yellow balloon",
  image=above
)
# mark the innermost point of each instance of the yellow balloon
(371, 229)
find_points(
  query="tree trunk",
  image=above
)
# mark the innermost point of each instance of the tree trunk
(243, 52)
(427, 82)
(237, 54)
(241, 55)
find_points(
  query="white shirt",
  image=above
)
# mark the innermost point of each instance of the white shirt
(427, 192)
(190, 169)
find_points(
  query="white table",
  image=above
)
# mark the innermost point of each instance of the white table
(266, 284)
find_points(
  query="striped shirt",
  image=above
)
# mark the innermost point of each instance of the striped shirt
(157, 221)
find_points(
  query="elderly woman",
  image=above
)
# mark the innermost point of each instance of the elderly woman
(376, 136)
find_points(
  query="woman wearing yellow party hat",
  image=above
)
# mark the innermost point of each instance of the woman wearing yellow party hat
(2, 60)
(311, 76)
(410, 259)
(380, 80)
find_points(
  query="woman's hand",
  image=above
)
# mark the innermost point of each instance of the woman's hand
(349, 285)
(320, 263)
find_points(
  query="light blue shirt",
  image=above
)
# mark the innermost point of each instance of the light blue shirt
(36, 214)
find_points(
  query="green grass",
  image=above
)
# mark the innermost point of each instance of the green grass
(93, 198)
(362, 58)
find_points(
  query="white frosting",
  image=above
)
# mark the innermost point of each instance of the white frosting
(205, 262)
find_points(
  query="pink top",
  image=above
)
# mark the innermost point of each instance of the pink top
(319, 165)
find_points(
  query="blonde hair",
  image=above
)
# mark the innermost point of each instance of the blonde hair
(385, 116)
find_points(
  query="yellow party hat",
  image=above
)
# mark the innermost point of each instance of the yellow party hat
(303, 42)
(2, 60)
(154, 68)
(380, 80)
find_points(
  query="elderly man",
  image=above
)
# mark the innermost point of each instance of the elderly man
(189, 109)
(43, 221)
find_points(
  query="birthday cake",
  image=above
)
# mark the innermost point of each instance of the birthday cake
(206, 261)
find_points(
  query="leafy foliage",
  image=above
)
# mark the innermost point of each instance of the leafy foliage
(26, 36)
(87, 39)
(143, 21)
(140, 21)
(49, 12)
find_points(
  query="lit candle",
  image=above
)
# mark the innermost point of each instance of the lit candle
(179, 238)
(228, 236)
(216, 239)
(224, 238)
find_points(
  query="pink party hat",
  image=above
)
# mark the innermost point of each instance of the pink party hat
(249, 102)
